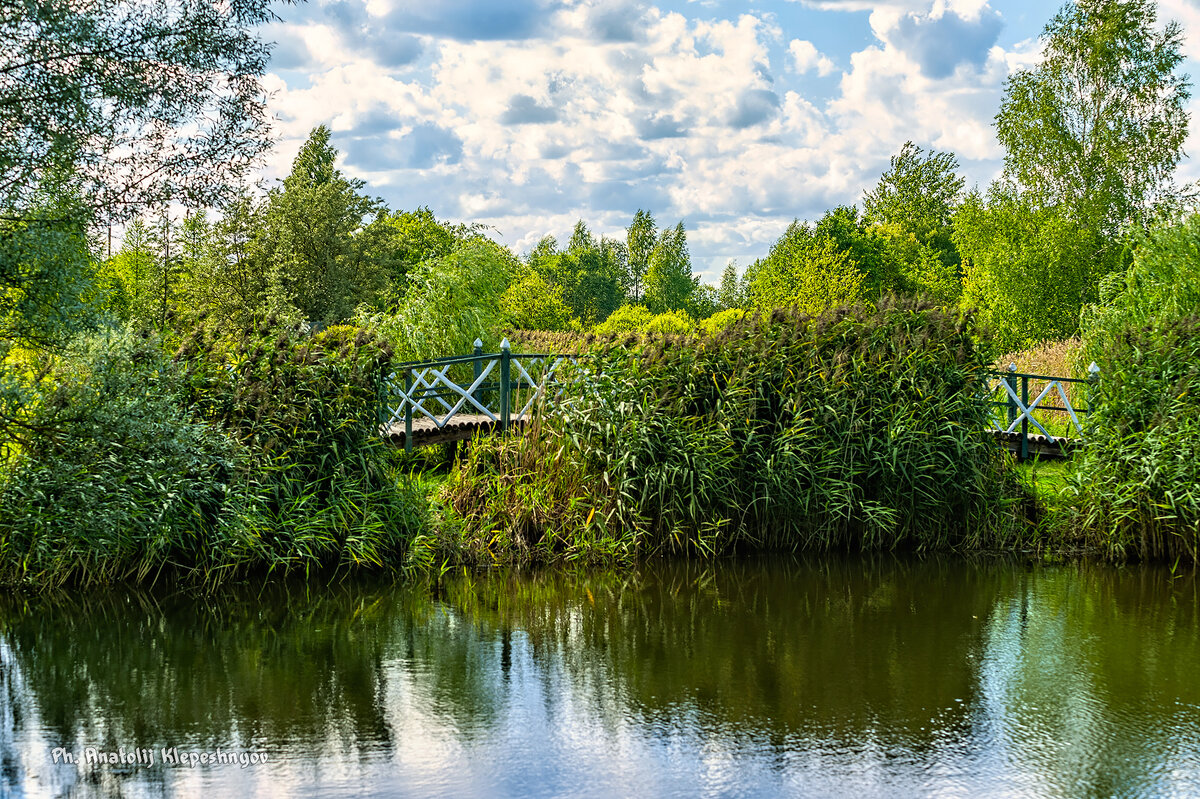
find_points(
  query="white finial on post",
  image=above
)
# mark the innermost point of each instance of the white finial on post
(478, 343)
(504, 345)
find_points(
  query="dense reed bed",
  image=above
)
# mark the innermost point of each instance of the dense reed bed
(1136, 487)
(857, 429)
(254, 452)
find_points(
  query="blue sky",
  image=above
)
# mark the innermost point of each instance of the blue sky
(734, 117)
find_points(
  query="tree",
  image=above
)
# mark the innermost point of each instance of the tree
(640, 240)
(732, 291)
(911, 207)
(669, 282)
(130, 104)
(1028, 269)
(309, 235)
(917, 194)
(394, 242)
(588, 273)
(1099, 125)
(450, 302)
(106, 109)
(866, 249)
(532, 303)
(804, 269)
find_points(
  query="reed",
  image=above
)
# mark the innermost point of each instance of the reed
(254, 452)
(859, 428)
(1136, 486)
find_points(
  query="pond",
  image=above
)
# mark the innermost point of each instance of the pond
(861, 677)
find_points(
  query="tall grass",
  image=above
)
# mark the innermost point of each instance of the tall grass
(1137, 483)
(856, 429)
(257, 451)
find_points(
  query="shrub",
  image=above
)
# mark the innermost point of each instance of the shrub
(255, 452)
(116, 479)
(626, 319)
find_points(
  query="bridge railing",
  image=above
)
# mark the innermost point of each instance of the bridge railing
(1012, 412)
(502, 387)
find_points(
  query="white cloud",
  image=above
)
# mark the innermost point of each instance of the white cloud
(806, 57)
(615, 108)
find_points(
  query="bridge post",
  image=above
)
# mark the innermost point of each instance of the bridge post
(1025, 417)
(1011, 381)
(505, 387)
(477, 394)
(408, 408)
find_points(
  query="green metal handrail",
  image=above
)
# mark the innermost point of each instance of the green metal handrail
(1019, 410)
(431, 391)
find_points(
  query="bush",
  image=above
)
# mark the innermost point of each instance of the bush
(306, 409)
(1138, 479)
(260, 451)
(626, 319)
(853, 429)
(116, 479)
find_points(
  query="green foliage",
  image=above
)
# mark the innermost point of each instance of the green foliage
(588, 273)
(449, 303)
(115, 479)
(1099, 124)
(805, 270)
(1028, 270)
(640, 240)
(1161, 285)
(396, 241)
(733, 292)
(47, 296)
(46, 276)
(256, 452)
(669, 281)
(1136, 486)
(532, 303)
(133, 104)
(917, 194)
(311, 228)
(626, 319)
(912, 207)
(669, 323)
(857, 429)
(720, 321)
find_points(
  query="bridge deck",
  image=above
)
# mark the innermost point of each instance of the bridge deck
(462, 427)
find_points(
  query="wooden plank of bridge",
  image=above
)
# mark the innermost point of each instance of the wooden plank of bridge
(1037, 446)
(461, 428)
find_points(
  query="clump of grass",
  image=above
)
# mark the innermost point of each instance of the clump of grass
(856, 429)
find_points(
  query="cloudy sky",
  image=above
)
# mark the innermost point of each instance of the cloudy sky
(734, 117)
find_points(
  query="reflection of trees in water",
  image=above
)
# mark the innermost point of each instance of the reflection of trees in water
(1090, 678)
(831, 647)
(127, 666)
(911, 656)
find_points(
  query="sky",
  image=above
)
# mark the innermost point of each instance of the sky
(732, 117)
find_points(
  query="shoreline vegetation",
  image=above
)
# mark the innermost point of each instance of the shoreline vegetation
(858, 429)
(203, 403)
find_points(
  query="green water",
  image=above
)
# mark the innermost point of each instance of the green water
(842, 677)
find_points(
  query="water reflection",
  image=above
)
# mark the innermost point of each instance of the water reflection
(874, 676)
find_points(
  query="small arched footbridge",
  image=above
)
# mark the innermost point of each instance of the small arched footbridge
(451, 399)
